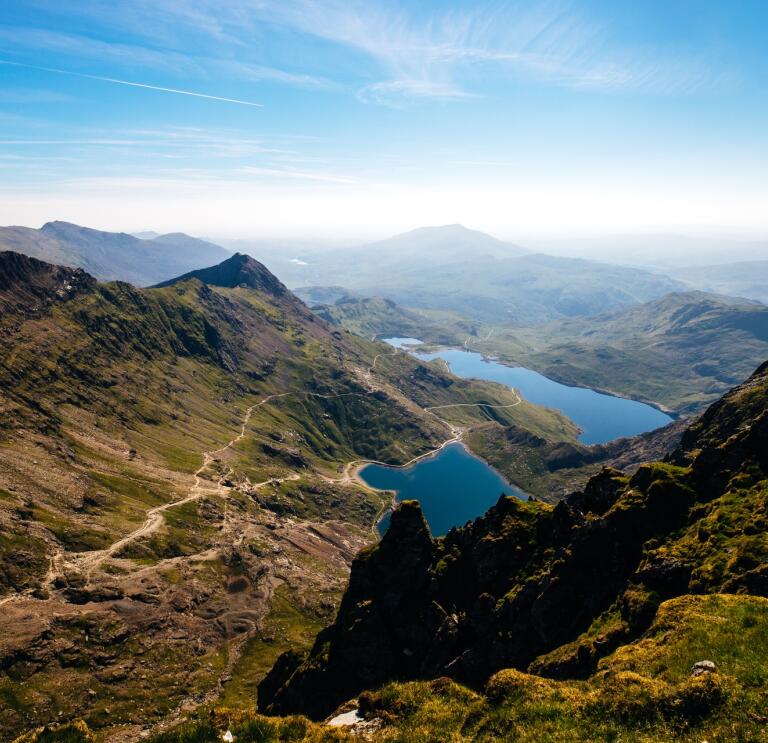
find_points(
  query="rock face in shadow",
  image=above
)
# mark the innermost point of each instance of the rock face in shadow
(520, 586)
(28, 285)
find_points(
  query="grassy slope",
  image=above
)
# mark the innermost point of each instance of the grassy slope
(642, 692)
(566, 592)
(639, 692)
(109, 400)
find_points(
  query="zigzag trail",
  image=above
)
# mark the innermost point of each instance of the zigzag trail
(87, 562)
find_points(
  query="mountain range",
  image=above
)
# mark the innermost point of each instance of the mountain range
(680, 351)
(454, 269)
(743, 279)
(111, 255)
(180, 516)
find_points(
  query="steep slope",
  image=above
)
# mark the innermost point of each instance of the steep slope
(175, 499)
(28, 285)
(551, 590)
(238, 271)
(110, 255)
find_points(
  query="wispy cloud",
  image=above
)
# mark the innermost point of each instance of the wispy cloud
(411, 53)
(133, 57)
(444, 55)
(397, 93)
(133, 84)
(257, 73)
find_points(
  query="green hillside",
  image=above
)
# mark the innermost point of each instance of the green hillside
(635, 610)
(176, 507)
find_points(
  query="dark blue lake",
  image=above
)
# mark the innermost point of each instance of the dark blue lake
(453, 486)
(600, 417)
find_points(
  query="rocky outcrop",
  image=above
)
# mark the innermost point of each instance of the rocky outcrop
(28, 286)
(519, 587)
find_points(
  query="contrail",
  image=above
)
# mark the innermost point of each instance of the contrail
(133, 84)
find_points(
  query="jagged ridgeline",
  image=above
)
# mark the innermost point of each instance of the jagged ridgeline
(176, 507)
(568, 592)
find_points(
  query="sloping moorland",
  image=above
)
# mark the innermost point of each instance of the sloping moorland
(176, 505)
(635, 610)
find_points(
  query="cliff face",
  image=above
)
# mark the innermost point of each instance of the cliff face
(28, 285)
(551, 590)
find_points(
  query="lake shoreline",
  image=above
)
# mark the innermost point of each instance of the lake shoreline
(601, 415)
(549, 373)
(508, 488)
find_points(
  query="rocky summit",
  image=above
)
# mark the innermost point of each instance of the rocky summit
(239, 270)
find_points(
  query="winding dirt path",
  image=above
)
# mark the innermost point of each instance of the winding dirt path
(86, 562)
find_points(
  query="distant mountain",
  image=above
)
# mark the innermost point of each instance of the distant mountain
(668, 253)
(452, 242)
(524, 290)
(323, 295)
(414, 252)
(112, 256)
(743, 279)
(461, 270)
(193, 248)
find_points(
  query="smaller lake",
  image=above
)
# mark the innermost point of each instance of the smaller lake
(453, 486)
(600, 417)
(404, 343)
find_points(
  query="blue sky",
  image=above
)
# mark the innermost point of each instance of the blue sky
(337, 117)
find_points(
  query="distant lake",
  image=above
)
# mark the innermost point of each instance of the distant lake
(600, 417)
(403, 343)
(453, 486)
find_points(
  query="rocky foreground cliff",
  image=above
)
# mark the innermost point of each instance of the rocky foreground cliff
(549, 590)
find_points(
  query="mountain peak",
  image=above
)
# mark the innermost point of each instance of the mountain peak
(447, 238)
(239, 270)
